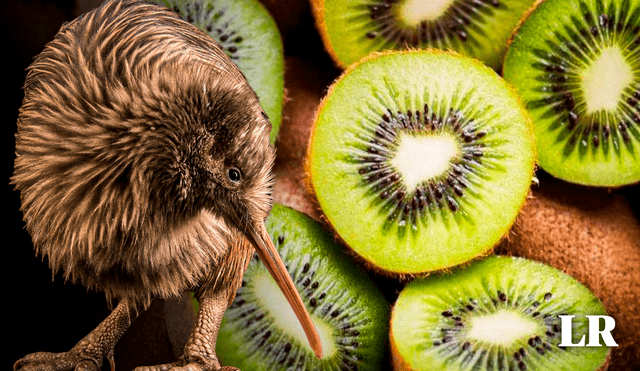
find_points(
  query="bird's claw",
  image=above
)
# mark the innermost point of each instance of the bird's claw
(67, 361)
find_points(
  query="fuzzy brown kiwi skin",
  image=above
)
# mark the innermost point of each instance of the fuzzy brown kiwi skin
(306, 79)
(593, 235)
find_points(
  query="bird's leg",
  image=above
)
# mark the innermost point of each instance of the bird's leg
(88, 353)
(199, 352)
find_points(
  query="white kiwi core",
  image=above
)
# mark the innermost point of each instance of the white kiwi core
(278, 308)
(604, 80)
(412, 12)
(501, 328)
(420, 158)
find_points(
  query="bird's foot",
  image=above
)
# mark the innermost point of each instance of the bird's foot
(77, 359)
(194, 365)
(88, 353)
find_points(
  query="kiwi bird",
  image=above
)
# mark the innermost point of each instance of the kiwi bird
(143, 164)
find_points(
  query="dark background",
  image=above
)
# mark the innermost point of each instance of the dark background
(41, 313)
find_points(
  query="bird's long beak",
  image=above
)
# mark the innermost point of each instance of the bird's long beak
(269, 256)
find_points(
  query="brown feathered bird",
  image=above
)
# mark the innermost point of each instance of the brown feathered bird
(144, 169)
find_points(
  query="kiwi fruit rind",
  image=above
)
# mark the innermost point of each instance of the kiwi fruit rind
(260, 332)
(499, 313)
(351, 29)
(420, 160)
(593, 235)
(306, 79)
(250, 37)
(576, 65)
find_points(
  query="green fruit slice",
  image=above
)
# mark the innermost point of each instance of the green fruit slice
(500, 313)
(259, 331)
(420, 160)
(351, 29)
(576, 64)
(250, 37)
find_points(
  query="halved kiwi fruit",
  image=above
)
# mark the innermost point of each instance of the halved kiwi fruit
(259, 330)
(420, 160)
(577, 66)
(250, 37)
(500, 313)
(352, 29)
(593, 235)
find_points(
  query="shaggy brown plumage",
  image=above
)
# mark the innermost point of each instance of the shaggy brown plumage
(124, 138)
(143, 160)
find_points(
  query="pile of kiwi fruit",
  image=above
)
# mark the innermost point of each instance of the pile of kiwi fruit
(451, 177)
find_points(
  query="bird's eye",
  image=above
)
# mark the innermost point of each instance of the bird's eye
(234, 175)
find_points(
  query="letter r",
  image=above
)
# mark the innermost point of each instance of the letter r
(595, 333)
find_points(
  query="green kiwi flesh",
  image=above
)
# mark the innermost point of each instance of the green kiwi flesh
(577, 66)
(260, 332)
(478, 28)
(420, 160)
(250, 37)
(500, 313)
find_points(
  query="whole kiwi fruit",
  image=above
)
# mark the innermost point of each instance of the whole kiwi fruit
(593, 235)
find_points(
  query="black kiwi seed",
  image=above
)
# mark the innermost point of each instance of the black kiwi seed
(535, 304)
(502, 296)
